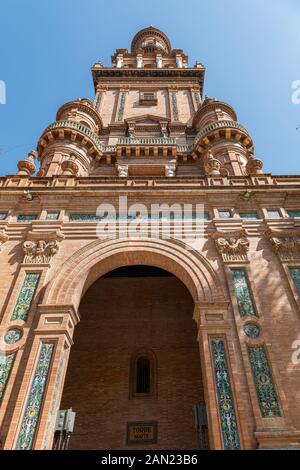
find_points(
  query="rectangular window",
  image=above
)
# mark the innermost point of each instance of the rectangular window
(26, 217)
(242, 292)
(249, 215)
(3, 215)
(148, 98)
(295, 273)
(294, 214)
(52, 215)
(273, 214)
(225, 214)
(265, 388)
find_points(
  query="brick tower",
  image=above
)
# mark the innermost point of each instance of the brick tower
(154, 343)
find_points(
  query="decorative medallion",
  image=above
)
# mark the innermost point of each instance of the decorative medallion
(13, 336)
(229, 427)
(233, 246)
(35, 398)
(6, 364)
(265, 388)
(26, 295)
(251, 330)
(242, 292)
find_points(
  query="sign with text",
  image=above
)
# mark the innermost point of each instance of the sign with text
(142, 432)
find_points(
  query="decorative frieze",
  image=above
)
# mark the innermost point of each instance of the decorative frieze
(285, 243)
(40, 247)
(35, 398)
(229, 426)
(6, 364)
(265, 388)
(233, 246)
(25, 297)
(242, 292)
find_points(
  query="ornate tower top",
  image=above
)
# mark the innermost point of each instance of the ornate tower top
(151, 40)
(148, 118)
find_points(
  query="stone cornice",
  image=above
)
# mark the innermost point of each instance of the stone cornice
(101, 74)
(45, 235)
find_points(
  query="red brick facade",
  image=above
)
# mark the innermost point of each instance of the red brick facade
(222, 331)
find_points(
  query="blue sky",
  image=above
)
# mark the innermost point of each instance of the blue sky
(250, 48)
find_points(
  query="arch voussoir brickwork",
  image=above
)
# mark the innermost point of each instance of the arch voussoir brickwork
(99, 257)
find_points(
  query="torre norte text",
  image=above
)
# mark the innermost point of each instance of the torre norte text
(155, 342)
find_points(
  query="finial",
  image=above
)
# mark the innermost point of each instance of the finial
(27, 167)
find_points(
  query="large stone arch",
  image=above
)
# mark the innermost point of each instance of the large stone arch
(101, 256)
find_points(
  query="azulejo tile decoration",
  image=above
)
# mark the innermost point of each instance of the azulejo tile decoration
(26, 295)
(121, 106)
(229, 426)
(174, 106)
(242, 292)
(265, 388)
(6, 364)
(252, 331)
(13, 335)
(35, 398)
(295, 273)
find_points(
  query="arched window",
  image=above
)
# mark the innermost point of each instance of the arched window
(143, 375)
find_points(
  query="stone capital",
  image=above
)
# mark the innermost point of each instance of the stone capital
(285, 243)
(233, 246)
(41, 246)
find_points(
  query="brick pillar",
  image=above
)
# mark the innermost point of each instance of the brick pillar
(213, 326)
(55, 327)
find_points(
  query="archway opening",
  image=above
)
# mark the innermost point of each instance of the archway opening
(134, 375)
